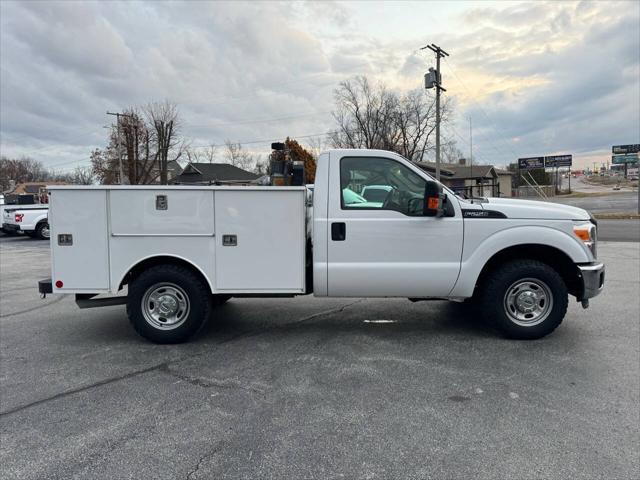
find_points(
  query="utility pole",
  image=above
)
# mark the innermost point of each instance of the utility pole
(438, 85)
(471, 154)
(119, 144)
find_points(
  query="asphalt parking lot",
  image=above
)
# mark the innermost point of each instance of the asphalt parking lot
(315, 388)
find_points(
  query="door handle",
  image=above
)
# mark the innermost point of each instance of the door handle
(338, 231)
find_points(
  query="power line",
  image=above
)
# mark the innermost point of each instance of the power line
(269, 140)
(264, 120)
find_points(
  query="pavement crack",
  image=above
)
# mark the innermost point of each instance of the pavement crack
(81, 389)
(201, 460)
(326, 312)
(34, 308)
(205, 383)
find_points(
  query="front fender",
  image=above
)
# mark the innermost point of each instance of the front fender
(485, 249)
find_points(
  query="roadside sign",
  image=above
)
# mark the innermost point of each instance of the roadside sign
(558, 161)
(622, 149)
(628, 158)
(530, 163)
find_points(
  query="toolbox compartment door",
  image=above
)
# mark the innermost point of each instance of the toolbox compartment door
(80, 259)
(260, 240)
(162, 212)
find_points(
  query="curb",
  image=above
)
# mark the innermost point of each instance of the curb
(617, 216)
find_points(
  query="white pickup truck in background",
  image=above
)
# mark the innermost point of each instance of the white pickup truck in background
(182, 250)
(29, 219)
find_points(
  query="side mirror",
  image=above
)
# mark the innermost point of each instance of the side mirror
(433, 200)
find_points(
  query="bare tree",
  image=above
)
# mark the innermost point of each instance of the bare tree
(236, 155)
(450, 151)
(261, 168)
(83, 176)
(365, 115)
(149, 138)
(163, 119)
(201, 155)
(21, 170)
(138, 143)
(316, 145)
(375, 117)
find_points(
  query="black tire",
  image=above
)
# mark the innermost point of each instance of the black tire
(42, 231)
(521, 289)
(178, 286)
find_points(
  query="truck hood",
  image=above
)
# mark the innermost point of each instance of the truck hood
(516, 208)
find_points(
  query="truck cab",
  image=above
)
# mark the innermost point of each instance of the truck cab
(179, 251)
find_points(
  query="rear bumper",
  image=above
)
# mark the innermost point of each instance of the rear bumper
(592, 279)
(10, 227)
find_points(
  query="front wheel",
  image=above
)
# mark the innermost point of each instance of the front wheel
(524, 299)
(168, 304)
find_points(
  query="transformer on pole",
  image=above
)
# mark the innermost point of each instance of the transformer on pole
(433, 79)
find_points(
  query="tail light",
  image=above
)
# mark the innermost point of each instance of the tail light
(18, 217)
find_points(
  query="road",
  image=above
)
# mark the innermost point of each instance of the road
(611, 202)
(619, 230)
(316, 388)
(579, 184)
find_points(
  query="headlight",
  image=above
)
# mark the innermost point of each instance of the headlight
(587, 232)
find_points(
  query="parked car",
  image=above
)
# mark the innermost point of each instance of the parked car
(29, 219)
(183, 251)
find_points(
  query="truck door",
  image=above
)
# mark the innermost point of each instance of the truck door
(379, 244)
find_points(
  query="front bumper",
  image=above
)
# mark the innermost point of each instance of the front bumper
(592, 279)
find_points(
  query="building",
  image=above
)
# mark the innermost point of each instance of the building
(29, 192)
(472, 180)
(215, 174)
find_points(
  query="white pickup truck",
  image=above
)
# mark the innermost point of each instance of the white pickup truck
(182, 250)
(29, 219)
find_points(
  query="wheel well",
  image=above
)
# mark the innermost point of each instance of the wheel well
(140, 267)
(553, 257)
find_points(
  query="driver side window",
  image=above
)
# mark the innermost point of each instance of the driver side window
(380, 184)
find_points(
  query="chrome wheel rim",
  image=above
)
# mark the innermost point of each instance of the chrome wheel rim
(528, 302)
(165, 306)
(46, 233)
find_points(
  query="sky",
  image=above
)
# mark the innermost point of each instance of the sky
(533, 78)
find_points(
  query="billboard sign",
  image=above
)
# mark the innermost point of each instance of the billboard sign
(623, 149)
(530, 163)
(628, 158)
(558, 161)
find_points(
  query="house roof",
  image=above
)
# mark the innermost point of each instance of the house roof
(32, 187)
(474, 171)
(431, 168)
(174, 166)
(212, 172)
(454, 171)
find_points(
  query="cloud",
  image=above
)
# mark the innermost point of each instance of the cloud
(556, 76)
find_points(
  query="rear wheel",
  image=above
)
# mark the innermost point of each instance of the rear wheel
(42, 231)
(524, 299)
(168, 304)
